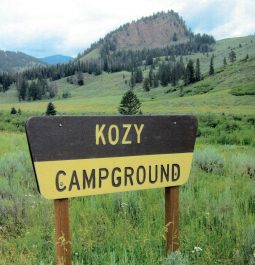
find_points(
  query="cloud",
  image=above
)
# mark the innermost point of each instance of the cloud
(240, 22)
(62, 26)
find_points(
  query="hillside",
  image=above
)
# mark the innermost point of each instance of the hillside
(151, 32)
(14, 61)
(56, 59)
(102, 94)
(157, 31)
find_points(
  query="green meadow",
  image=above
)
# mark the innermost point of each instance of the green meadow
(217, 204)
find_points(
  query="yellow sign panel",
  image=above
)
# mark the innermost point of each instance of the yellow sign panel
(82, 177)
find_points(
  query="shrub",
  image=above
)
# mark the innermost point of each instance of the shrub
(176, 258)
(231, 126)
(243, 91)
(249, 246)
(209, 160)
(66, 95)
(242, 165)
(251, 120)
(13, 110)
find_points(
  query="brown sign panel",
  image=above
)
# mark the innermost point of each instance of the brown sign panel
(78, 156)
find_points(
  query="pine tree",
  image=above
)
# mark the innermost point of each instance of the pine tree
(13, 110)
(33, 91)
(151, 76)
(149, 60)
(225, 62)
(155, 81)
(174, 78)
(23, 89)
(175, 37)
(211, 69)
(163, 74)
(197, 72)
(146, 84)
(138, 75)
(232, 56)
(189, 73)
(132, 80)
(51, 109)
(130, 104)
(80, 80)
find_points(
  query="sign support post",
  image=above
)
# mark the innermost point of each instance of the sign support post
(172, 218)
(63, 241)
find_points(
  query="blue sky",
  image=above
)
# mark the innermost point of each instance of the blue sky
(42, 28)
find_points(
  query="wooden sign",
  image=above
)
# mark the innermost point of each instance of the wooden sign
(80, 156)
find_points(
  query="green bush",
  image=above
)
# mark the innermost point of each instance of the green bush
(249, 246)
(243, 91)
(209, 160)
(242, 165)
(176, 258)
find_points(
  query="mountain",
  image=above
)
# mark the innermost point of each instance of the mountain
(159, 30)
(15, 61)
(56, 59)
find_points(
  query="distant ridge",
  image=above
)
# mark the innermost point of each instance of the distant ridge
(15, 61)
(56, 59)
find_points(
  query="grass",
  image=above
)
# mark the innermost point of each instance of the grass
(216, 215)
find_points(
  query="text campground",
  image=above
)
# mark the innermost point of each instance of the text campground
(126, 176)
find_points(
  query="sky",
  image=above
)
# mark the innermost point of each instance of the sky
(43, 28)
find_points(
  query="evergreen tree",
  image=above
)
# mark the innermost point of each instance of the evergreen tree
(132, 80)
(174, 78)
(175, 37)
(13, 110)
(80, 80)
(51, 109)
(23, 89)
(146, 84)
(225, 62)
(163, 74)
(197, 72)
(33, 91)
(180, 69)
(155, 81)
(53, 90)
(211, 69)
(130, 104)
(138, 75)
(151, 77)
(189, 73)
(232, 56)
(172, 58)
(149, 60)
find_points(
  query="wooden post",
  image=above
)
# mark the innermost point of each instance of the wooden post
(63, 241)
(172, 218)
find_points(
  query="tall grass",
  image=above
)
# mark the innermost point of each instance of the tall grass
(216, 218)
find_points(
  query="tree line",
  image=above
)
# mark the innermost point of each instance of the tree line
(35, 90)
(6, 80)
(168, 72)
